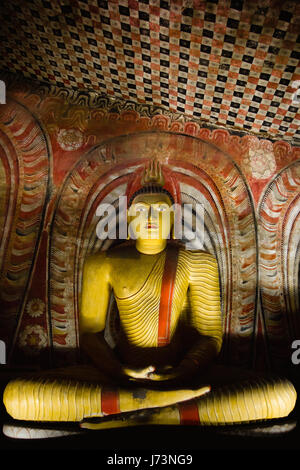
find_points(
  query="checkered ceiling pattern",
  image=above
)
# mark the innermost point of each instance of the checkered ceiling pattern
(228, 62)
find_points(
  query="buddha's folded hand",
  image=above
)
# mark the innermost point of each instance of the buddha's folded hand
(138, 373)
(167, 373)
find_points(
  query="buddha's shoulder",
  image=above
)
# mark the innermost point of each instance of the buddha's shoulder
(96, 260)
(118, 252)
(197, 256)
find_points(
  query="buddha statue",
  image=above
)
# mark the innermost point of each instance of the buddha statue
(163, 369)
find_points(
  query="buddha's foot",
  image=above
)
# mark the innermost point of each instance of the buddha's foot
(167, 415)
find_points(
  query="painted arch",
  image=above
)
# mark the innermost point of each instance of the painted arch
(204, 174)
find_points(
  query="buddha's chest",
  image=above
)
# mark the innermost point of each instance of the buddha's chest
(153, 304)
(147, 276)
(130, 276)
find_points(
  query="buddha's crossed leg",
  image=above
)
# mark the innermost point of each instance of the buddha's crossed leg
(49, 398)
(235, 404)
(236, 397)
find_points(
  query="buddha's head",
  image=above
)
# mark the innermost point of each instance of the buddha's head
(150, 208)
(150, 216)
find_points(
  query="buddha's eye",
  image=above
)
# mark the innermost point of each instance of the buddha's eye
(141, 209)
(161, 208)
(134, 211)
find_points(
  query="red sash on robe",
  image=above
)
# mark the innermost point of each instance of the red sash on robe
(110, 401)
(188, 412)
(166, 297)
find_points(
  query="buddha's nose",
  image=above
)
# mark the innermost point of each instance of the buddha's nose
(152, 214)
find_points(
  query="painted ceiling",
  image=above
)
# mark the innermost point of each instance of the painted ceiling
(232, 63)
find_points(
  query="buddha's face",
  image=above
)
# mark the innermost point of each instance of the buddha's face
(150, 217)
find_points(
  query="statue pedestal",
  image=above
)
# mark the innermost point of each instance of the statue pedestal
(31, 430)
(38, 430)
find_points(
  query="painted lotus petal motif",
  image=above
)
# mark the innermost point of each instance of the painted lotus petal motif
(32, 339)
(35, 308)
(70, 139)
(262, 163)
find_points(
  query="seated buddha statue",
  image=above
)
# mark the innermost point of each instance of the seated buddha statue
(163, 369)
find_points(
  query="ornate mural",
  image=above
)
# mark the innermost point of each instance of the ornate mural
(278, 214)
(62, 153)
(228, 62)
(25, 168)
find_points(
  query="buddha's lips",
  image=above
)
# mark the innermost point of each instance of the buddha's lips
(149, 226)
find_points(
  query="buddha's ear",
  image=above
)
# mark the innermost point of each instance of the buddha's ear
(128, 232)
(176, 217)
(129, 214)
(131, 211)
(173, 227)
(128, 221)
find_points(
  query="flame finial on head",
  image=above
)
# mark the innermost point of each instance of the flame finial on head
(153, 174)
(153, 178)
